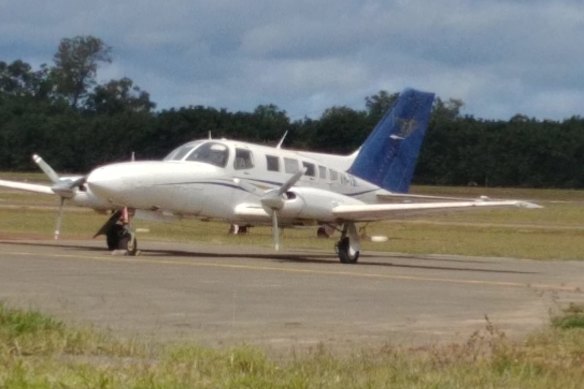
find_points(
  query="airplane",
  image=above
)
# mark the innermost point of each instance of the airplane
(249, 184)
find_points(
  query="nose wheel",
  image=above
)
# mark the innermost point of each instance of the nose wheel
(118, 233)
(121, 237)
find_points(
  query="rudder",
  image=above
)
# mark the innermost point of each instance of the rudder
(388, 156)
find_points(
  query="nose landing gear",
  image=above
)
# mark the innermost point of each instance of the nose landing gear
(119, 235)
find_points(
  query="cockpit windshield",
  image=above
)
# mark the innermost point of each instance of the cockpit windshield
(179, 153)
(211, 152)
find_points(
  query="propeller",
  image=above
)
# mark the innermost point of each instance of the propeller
(65, 189)
(53, 176)
(62, 187)
(273, 200)
(59, 218)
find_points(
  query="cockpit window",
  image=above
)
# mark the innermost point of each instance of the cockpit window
(180, 152)
(210, 152)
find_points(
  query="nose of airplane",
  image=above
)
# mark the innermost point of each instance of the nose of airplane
(144, 184)
(104, 182)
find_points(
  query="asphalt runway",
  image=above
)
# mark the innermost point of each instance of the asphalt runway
(225, 295)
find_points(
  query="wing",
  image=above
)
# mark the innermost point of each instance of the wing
(372, 212)
(409, 198)
(37, 188)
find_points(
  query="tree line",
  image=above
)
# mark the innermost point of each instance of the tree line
(61, 112)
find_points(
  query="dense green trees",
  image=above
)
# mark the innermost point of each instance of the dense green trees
(529, 153)
(61, 112)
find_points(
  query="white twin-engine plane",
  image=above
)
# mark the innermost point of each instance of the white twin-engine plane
(249, 184)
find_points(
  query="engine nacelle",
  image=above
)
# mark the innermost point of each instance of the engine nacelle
(88, 199)
(314, 203)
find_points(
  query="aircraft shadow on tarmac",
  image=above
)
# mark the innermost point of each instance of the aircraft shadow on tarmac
(313, 258)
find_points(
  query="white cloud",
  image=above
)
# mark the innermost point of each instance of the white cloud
(500, 57)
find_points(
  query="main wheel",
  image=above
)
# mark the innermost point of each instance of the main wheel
(346, 255)
(133, 246)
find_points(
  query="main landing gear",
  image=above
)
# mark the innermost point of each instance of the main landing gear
(349, 245)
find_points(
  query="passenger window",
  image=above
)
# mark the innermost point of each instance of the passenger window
(243, 159)
(273, 163)
(322, 172)
(333, 174)
(290, 165)
(310, 169)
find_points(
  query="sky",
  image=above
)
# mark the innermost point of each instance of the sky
(500, 58)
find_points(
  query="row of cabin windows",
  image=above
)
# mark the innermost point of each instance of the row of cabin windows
(291, 166)
(218, 154)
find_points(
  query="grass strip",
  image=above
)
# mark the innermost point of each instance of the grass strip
(38, 351)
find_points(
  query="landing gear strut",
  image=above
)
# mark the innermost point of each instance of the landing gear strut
(349, 245)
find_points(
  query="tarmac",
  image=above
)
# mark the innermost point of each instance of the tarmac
(290, 300)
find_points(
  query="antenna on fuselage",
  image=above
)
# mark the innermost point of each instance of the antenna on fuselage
(282, 140)
(210, 137)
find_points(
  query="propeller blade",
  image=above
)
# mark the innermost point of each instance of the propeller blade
(53, 176)
(273, 198)
(291, 181)
(275, 230)
(274, 201)
(59, 218)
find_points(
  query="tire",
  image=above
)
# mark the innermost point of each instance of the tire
(113, 237)
(133, 247)
(343, 251)
(120, 237)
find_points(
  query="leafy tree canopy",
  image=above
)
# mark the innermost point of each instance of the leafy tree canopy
(76, 63)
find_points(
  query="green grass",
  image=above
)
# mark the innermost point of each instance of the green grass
(37, 351)
(571, 317)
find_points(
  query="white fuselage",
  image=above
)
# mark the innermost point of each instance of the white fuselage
(224, 179)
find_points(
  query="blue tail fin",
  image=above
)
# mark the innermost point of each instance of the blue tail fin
(388, 156)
